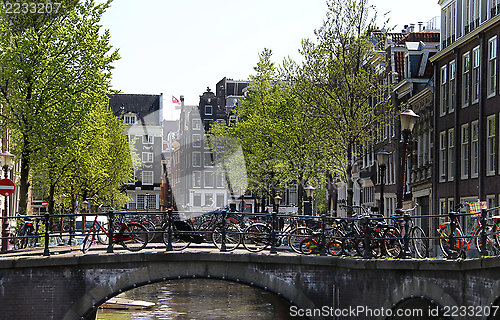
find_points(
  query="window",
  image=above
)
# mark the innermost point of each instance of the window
(475, 74)
(146, 201)
(132, 178)
(147, 177)
(196, 123)
(219, 200)
(196, 199)
(208, 159)
(209, 179)
(196, 179)
(465, 152)
(209, 200)
(492, 66)
(147, 157)
(451, 154)
(147, 139)
(465, 79)
(131, 205)
(196, 159)
(129, 119)
(490, 144)
(444, 90)
(452, 87)
(219, 180)
(208, 110)
(442, 156)
(466, 13)
(196, 140)
(474, 149)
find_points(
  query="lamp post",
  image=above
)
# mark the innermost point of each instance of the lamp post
(382, 158)
(408, 119)
(277, 201)
(6, 159)
(309, 193)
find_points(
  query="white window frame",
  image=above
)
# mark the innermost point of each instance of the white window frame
(147, 157)
(476, 75)
(492, 67)
(464, 158)
(490, 145)
(196, 140)
(196, 179)
(196, 124)
(206, 179)
(147, 139)
(195, 195)
(443, 91)
(442, 156)
(196, 155)
(144, 177)
(205, 164)
(208, 110)
(129, 119)
(452, 83)
(466, 79)
(474, 131)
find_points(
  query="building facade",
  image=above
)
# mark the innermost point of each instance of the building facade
(142, 115)
(467, 105)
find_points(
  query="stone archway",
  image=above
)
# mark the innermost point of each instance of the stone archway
(86, 306)
(416, 308)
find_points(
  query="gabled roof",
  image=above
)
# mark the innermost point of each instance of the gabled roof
(145, 106)
(419, 36)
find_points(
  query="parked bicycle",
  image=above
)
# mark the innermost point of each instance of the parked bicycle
(27, 235)
(418, 240)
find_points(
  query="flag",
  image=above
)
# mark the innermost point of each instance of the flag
(175, 100)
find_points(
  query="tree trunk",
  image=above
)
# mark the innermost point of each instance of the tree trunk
(24, 184)
(300, 197)
(350, 183)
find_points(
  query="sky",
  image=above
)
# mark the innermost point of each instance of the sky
(181, 47)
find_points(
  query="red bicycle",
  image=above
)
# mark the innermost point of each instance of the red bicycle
(132, 236)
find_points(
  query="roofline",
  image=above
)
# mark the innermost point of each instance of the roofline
(467, 38)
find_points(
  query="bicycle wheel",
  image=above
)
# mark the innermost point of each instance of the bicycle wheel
(349, 247)
(392, 242)
(308, 246)
(151, 228)
(206, 227)
(134, 237)
(491, 248)
(257, 237)
(420, 245)
(334, 247)
(19, 242)
(180, 241)
(444, 241)
(102, 234)
(374, 245)
(296, 235)
(233, 236)
(87, 242)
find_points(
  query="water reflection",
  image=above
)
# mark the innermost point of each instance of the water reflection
(202, 299)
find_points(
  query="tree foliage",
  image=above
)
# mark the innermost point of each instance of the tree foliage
(55, 73)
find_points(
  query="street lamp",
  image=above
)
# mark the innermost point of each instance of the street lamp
(408, 119)
(382, 159)
(309, 193)
(277, 201)
(6, 159)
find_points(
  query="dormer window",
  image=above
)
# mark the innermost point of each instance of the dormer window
(129, 119)
(208, 110)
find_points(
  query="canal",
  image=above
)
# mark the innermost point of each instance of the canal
(202, 299)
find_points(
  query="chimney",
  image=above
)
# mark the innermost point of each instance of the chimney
(405, 29)
(420, 26)
(411, 28)
(182, 100)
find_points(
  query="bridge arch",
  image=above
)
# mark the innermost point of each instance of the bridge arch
(418, 307)
(87, 305)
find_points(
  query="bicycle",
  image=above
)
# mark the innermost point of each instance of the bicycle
(257, 236)
(132, 236)
(313, 244)
(181, 238)
(462, 242)
(212, 229)
(419, 245)
(26, 236)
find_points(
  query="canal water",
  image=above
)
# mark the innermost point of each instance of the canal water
(201, 299)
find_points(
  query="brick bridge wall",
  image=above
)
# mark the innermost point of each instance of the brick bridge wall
(72, 287)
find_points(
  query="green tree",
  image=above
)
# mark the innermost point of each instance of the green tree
(55, 65)
(340, 74)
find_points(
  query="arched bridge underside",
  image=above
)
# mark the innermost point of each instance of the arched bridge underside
(73, 286)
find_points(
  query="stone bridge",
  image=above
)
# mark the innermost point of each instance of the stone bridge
(72, 286)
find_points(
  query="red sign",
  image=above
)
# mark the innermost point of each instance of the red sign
(44, 203)
(7, 187)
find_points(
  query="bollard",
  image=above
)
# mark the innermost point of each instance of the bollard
(322, 251)
(169, 230)
(110, 231)
(274, 219)
(46, 251)
(366, 228)
(483, 251)
(406, 239)
(223, 244)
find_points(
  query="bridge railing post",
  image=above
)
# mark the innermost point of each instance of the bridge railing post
(406, 239)
(111, 215)
(224, 223)
(483, 251)
(169, 230)
(452, 244)
(46, 251)
(322, 251)
(366, 227)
